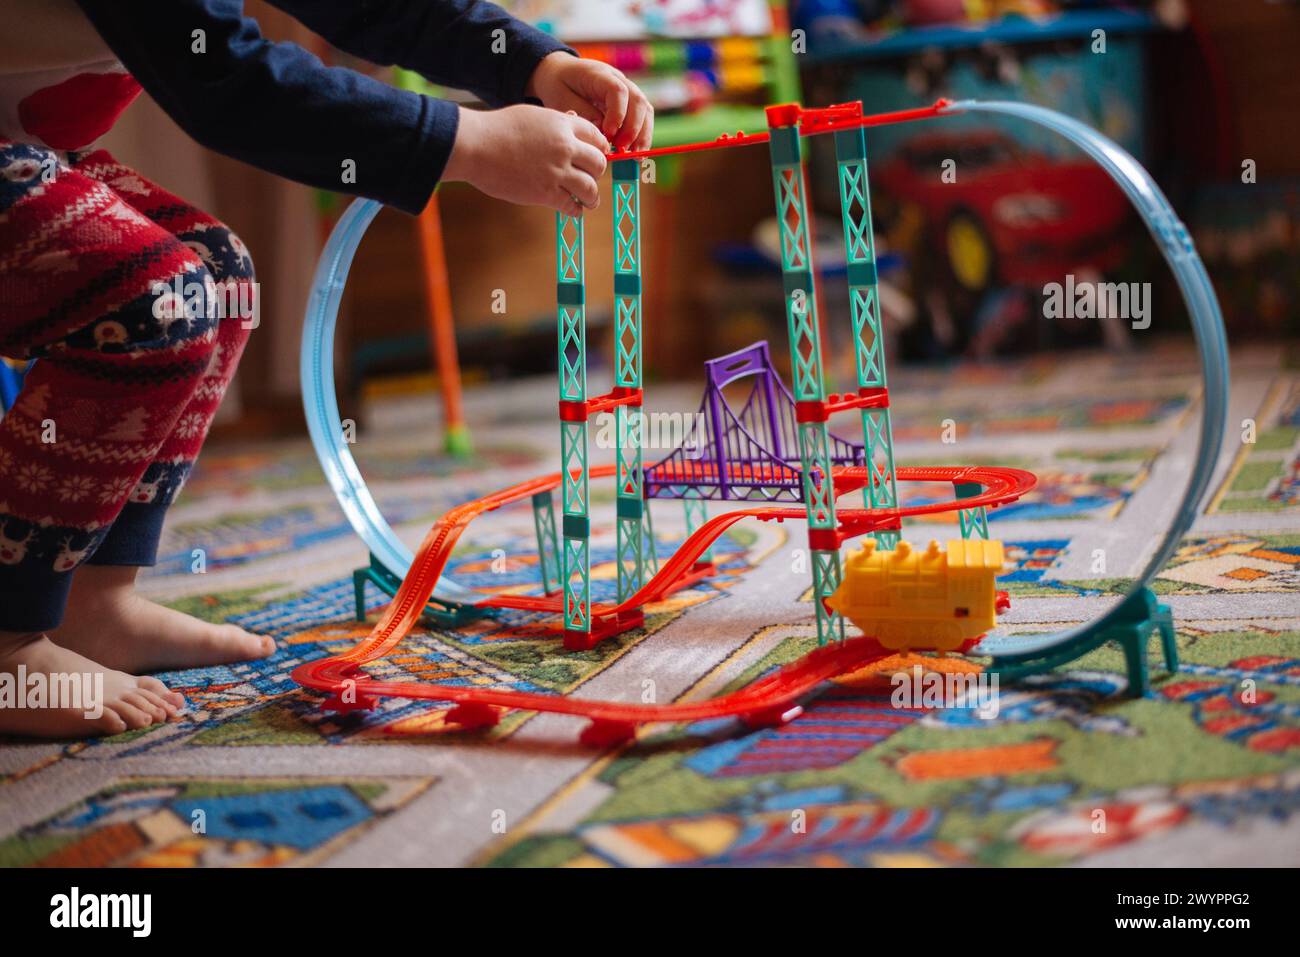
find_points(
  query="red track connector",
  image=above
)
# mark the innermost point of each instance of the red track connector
(582, 411)
(472, 715)
(811, 410)
(832, 119)
(824, 539)
(602, 627)
(873, 520)
(604, 734)
(359, 702)
(783, 114)
(817, 120)
(854, 523)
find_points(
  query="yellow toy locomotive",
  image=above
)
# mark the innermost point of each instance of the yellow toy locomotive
(907, 598)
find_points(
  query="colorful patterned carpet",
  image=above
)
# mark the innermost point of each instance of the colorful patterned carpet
(1204, 769)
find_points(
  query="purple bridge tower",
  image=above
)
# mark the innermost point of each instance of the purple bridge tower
(750, 455)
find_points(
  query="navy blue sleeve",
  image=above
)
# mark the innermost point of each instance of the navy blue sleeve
(276, 106)
(467, 44)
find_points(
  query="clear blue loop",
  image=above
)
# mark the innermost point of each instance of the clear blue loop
(1175, 245)
(321, 403)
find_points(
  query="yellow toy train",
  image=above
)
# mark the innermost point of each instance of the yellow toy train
(907, 598)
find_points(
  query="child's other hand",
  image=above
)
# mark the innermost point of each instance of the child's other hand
(598, 92)
(530, 155)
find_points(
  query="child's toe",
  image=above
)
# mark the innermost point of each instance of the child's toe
(110, 722)
(135, 718)
(163, 705)
(141, 701)
(244, 645)
(173, 699)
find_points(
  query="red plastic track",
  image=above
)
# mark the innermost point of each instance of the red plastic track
(768, 700)
(811, 122)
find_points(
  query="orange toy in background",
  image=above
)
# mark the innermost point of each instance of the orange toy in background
(932, 599)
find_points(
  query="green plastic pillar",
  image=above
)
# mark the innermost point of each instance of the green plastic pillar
(806, 359)
(974, 522)
(548, 547)
(649, 555)
(628, 419)
(881, 490)
(575, 567)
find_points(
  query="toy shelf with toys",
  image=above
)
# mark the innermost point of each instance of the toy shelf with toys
(830, 46)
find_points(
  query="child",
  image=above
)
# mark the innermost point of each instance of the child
(129, 374)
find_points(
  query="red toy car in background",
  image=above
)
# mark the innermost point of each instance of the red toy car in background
(1006, 215)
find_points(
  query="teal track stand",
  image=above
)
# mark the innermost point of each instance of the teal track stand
(443, 614)
(1131, 626)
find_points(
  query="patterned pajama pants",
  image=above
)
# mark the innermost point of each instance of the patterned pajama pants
(118, 290)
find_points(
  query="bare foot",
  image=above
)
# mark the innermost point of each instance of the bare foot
(108, 621)
(56, 693)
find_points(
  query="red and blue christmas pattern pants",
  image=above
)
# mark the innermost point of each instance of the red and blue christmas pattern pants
(122, 294)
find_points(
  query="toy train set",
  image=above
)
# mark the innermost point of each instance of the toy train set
(773, 449)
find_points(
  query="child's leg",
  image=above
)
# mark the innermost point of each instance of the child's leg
(133, 539)
(142, 635)
(117, 363)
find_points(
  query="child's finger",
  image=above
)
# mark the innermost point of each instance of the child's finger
(616, 103)
(638, 111)
(566, 204)
(590, 160)
(582, 187)
(587, 132)
(578, 106)
(646, 135)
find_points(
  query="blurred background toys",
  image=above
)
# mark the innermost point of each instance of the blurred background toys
(986, 214)
(926, 13)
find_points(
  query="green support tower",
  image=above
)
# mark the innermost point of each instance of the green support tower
(634, 533)
(806, 360)
(974, 522)
(548, 547)
(575, 554)
(881, 491)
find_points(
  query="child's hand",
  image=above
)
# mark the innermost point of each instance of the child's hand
(530, 155)
(598, 92)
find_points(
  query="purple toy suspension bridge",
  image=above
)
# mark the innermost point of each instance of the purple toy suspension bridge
(750, 455)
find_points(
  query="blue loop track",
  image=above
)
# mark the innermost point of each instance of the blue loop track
(320, 401)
